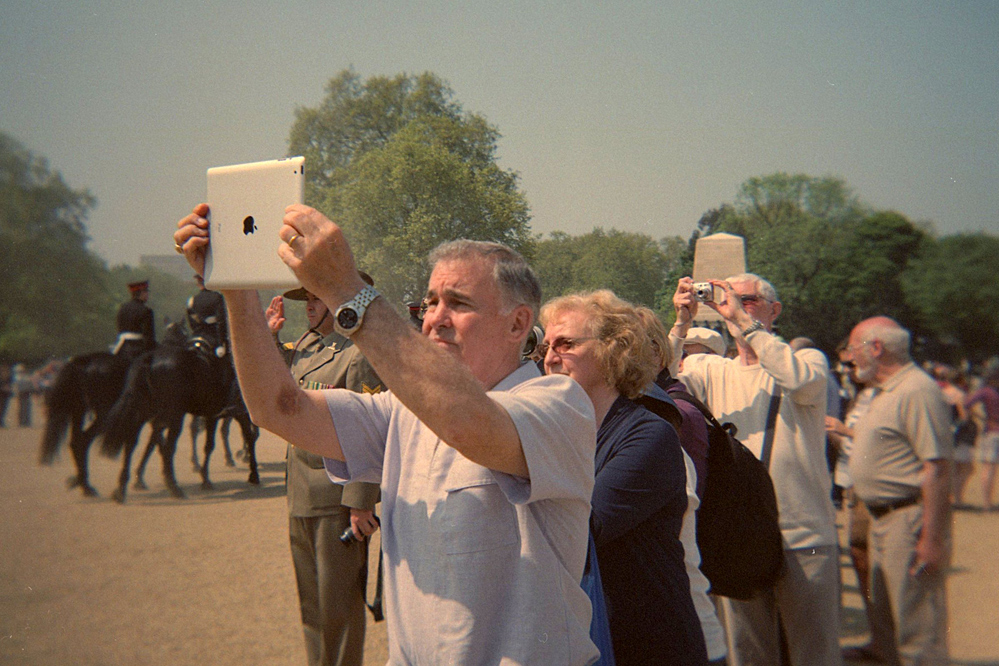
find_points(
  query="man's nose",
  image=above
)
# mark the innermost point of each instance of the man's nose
(437, 317)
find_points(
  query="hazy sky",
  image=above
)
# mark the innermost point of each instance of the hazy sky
(636, 115)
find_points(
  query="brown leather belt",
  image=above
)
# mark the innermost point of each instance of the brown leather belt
(883, 509)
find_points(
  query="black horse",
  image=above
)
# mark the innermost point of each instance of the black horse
(83, 394)
(195, 426)
(164, 385)
(235, 412)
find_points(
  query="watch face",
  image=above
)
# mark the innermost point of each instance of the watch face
(347, 318)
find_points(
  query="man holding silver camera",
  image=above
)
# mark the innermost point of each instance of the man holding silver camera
(804, 603)
(331, 577)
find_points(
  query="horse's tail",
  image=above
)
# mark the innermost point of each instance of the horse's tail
(131, 411)
(62, 400)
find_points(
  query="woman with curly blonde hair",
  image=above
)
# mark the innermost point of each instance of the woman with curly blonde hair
(639, 496)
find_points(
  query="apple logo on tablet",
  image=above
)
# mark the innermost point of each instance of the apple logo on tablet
(248, 226)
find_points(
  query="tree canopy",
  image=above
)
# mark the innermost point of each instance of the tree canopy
(634, 266)
(53, 290)
(833, 260)
(57, 298)
(954, 287)
(402, 168)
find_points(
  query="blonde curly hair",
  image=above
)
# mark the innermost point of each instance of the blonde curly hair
(624, 349)
(662, 356)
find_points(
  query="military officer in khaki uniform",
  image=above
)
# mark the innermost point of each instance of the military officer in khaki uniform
(330, 573)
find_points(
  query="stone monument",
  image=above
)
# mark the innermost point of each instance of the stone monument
(717, 257)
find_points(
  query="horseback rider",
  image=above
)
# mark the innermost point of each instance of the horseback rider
(206, 318)
(136, 328)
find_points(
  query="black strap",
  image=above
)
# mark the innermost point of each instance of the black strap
(768, 437)
(376, 604)
(771, 420)
(701, 407)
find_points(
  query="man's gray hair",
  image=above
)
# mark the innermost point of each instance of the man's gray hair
(513, 275)
(763, 288)
(893, 337)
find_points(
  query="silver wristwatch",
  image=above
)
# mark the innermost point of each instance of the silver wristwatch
(348, 317)
(757, 325)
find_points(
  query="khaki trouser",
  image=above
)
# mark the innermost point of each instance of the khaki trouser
(906, 612)
(805, 601)
(331, 584)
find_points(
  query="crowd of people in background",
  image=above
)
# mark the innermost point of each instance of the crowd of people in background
(463, 438)
(20, 387)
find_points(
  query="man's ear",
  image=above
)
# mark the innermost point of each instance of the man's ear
(521, 322)
(777, 308)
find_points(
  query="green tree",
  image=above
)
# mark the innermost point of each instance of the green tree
(634, 266)
(832, 259)
(955, 287)
(54, 297)
(781, 198)
(402, 167)
(858, 277)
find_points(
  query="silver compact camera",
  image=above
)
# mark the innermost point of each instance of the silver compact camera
(704, 292)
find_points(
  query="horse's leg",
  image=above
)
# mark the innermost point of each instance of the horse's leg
(195, 428)
(121, 490)
(79, 443)
(210, 424)
(167, 449)
(226, 423)
(155, 439)
(250, 434)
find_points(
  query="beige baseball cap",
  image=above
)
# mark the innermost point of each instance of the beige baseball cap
(705, 336)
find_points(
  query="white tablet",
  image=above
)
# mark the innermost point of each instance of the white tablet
(246, 207)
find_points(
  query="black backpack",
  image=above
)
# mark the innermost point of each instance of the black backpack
(738, 533)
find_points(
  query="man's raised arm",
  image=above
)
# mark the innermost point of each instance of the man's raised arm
(440, 389)
(274, 400)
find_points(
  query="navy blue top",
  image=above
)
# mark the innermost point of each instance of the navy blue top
(638, 504)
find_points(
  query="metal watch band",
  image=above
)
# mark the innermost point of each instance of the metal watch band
(356, 306)
(757, 325)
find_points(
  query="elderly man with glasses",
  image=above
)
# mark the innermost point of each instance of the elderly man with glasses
(768, 374)
(900, 466)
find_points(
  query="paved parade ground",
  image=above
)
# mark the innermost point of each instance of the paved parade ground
(208, 579)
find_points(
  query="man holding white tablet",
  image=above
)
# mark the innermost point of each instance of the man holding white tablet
(486, 467)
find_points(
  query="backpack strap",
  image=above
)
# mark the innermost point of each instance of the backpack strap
(702, 408)
(768, 437)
